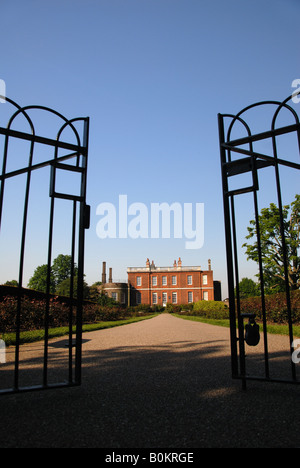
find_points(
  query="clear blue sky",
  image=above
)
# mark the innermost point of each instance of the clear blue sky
(152, 76)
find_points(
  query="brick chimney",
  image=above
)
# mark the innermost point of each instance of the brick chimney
(103, 272)
(110, 276)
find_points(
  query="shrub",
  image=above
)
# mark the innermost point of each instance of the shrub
(139, 309)
(211, 309)
(276, 307)
(208, 309)
(104, 314)
(32, 315)
(178, 308)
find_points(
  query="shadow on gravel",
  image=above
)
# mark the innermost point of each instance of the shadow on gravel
(179, 395)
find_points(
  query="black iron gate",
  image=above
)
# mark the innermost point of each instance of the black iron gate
(245, 157)
(49, 173)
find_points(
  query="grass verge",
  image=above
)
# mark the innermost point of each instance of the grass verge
(271, 328)
(38, 335)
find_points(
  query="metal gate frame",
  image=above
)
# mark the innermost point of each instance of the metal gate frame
(77, 152)
(251, 162)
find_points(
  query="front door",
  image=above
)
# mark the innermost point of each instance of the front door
(164, 298)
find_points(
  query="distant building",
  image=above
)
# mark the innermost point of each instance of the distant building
(117, 291)
(176, 285)
(161, 285)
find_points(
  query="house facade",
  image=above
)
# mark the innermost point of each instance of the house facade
(177, 284)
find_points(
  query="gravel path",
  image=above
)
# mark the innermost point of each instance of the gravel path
(160, 383)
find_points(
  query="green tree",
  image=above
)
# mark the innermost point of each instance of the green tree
(11, 283)
(105, 300)
(272, 247)
(38, 281)
(63, 289)
(248, 288)
(94, 291)
(60, 271)
(62, 268)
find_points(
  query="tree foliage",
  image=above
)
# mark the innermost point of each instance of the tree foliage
(38, 281)
(64, 288)
(60, 271)
(248, 288)
(62, 268)
(272, 245)
(11, 283)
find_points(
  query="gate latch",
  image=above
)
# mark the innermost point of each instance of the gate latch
(252, 335)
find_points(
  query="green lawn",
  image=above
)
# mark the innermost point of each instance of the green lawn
(38, 335)
(271, 328)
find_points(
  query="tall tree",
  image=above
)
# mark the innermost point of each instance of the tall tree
(38, 281)
(64, 288)
(272, 246)
(62, 268)
(248, 288)
(60, 271)
(11, 283)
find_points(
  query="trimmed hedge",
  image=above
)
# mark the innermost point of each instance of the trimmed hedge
(276, 307)
(211, 309)
(32, 315)
(33, 311)
(208, 309)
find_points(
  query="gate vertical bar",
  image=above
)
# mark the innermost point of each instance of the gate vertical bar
(47, 309)
(262, 290)
(236, 297)
(72, 291)
(83, 224)
(228, 240)
(284, 253)
(21, 266)
(260, 264)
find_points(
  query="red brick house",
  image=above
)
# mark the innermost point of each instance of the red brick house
(177, 285)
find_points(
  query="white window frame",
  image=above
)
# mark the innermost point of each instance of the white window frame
(189, 280)
(205, 295)
(204, 279)
(154, 280)
(174, 280)
(174, 297)
(164, 281)
(154, 298)
(190, 296)
(139, 281)
(114, 296)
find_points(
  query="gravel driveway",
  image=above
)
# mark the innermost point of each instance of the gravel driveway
(160, 383)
